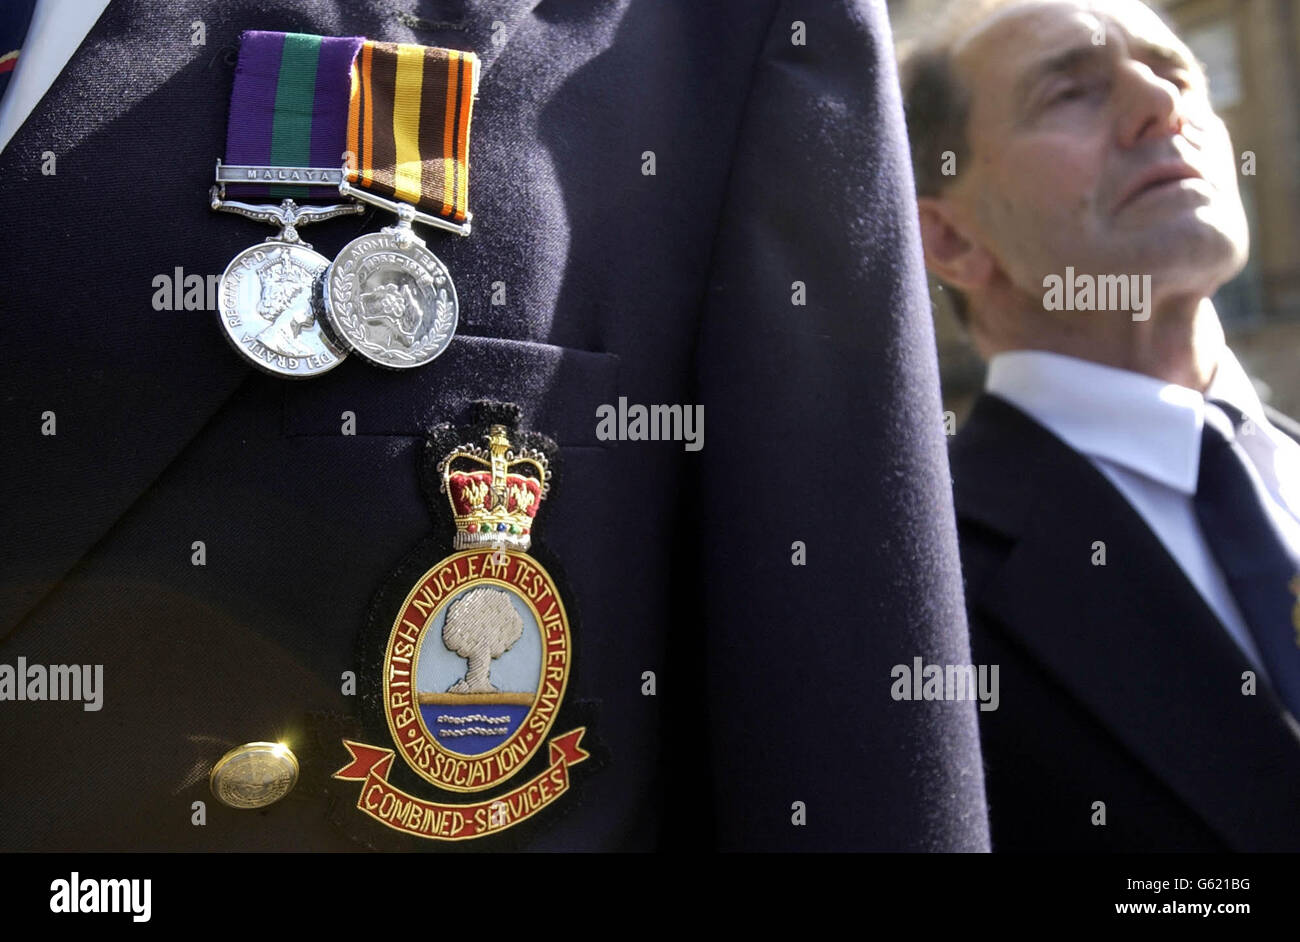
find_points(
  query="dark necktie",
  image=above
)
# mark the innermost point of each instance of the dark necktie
(1256, 562)
(15, 17)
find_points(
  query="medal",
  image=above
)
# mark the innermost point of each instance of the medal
(387, 297)
(403, 113)
(287, 112)
(267, 297)
(474, 654)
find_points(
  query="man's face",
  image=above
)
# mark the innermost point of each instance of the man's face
(1077, 157)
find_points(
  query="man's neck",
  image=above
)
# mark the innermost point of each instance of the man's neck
(1180, 343)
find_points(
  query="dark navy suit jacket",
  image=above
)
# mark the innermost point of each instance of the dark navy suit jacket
(1118, 683)
(776, 163)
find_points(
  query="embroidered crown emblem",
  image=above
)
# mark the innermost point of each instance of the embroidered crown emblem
(494, 491)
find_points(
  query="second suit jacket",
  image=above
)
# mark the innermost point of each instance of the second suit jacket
(1117, 683)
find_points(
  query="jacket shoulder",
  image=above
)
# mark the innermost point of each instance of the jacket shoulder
(1283, 423)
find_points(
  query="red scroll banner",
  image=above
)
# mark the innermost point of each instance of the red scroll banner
(393, 807)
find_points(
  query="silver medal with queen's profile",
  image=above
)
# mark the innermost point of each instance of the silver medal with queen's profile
(390, 300)
(269, 305)
(269, 297)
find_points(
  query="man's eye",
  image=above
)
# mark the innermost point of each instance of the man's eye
(1076, 91)
(1072, 92)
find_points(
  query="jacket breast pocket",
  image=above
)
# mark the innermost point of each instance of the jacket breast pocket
(557, 388)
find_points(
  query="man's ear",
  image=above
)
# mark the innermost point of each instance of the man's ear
(951, 251)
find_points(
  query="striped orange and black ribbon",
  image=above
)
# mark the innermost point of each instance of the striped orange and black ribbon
(408, 125)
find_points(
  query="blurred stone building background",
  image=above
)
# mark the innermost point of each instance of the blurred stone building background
(1251, 51)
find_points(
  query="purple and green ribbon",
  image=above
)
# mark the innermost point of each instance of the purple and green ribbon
(289, 107)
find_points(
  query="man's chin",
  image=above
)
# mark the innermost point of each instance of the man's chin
(1192, 249)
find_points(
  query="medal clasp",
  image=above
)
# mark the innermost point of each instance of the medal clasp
(288, 215)
(406, 213)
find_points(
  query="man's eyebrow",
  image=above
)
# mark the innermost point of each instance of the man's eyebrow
(1165, 55)
(1071, 59)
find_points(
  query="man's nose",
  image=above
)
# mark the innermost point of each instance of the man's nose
(1150, 105)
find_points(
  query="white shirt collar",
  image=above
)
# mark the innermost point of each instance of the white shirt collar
(1142, 423)
(57, 29)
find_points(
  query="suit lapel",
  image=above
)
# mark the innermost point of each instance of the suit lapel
(1132, 640)
(129, 130)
